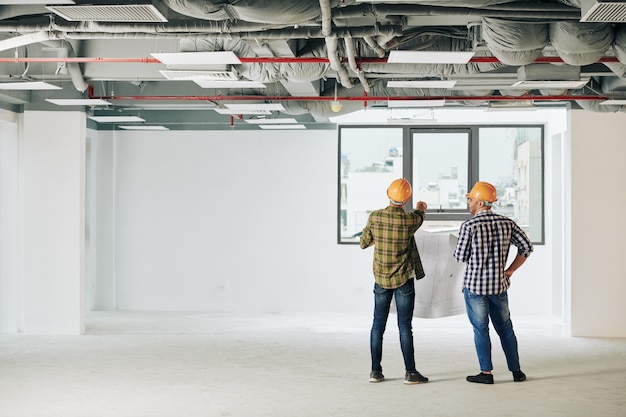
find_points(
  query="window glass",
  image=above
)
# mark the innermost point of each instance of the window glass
(440, 167)
(370, 159)
(511, 159)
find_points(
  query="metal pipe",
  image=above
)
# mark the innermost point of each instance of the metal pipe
(364, 98)
(274, 60)
(535, 12)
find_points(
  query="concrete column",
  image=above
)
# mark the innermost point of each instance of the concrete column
(51, 224)
(597, 224)
(8, 222)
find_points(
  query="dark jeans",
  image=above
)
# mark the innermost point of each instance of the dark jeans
(405, 302)
(481, 308)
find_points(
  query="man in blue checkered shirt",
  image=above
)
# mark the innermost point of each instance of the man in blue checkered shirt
(484, 242)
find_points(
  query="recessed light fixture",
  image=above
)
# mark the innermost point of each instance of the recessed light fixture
(285, 120)
(197, 58)
(417, 103)
(116, 119)
(78, 101)
(422, 84)
(429, 57)
(550, 84)
(613, 103)
(143, 127)
(229, 84)
(283, 127)
(34, 85)
(257, 106)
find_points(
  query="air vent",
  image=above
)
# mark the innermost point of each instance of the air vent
(109, 13)
(602, 11)
(199, 75)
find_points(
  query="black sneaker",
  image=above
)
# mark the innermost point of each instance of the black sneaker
(519, 376)
(376, 376)
(414, 378)
(481, 378)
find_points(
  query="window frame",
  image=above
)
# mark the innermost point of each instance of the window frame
(473, 166)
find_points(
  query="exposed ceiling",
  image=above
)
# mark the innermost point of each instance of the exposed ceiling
(161, 59)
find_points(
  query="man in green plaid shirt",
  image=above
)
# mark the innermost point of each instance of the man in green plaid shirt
(396, 266)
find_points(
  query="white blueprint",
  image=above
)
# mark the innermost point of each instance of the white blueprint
(439, 293)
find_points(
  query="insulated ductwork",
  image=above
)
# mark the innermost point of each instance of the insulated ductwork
(73, 69)
(515, 43)
(349, 38)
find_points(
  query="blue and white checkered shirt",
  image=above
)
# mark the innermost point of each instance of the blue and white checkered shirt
(484, 242)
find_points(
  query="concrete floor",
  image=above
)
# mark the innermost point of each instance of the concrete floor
(298, 365)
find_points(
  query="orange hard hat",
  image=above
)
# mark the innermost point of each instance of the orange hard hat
(483, 191)
(399, 191)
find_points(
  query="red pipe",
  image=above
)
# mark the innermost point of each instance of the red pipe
(275, 60)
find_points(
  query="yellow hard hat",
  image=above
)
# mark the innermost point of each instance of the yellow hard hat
(483, 191)
(399, 191)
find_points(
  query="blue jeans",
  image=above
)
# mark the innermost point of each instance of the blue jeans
(480, 308)
(405, 302)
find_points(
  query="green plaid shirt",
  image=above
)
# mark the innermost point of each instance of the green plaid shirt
(392, 232)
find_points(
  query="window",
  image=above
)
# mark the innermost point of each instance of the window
(369, 160)
(511, 158)
(442, 165)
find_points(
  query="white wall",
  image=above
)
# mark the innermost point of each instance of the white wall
(598, 147)
(231, 221)
(100, 214)
(51, 220)
(8, 222)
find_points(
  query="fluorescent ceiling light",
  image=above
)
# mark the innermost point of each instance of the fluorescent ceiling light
(116, 119)
(23, 40)
(285, 120)
(535, 84)
(429, 57)
(422, 84)
(257, 106)
(35, 85)
(229, 84)
(613, 103)
(125, 127)
(78, 101)
(416, 103)
(197, 105)
(283, 127)
(250, 111)
(197, 58)
(199, 75)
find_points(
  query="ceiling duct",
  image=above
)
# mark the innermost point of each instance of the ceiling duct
(536, 76)
(602, 11)
(109, 13)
